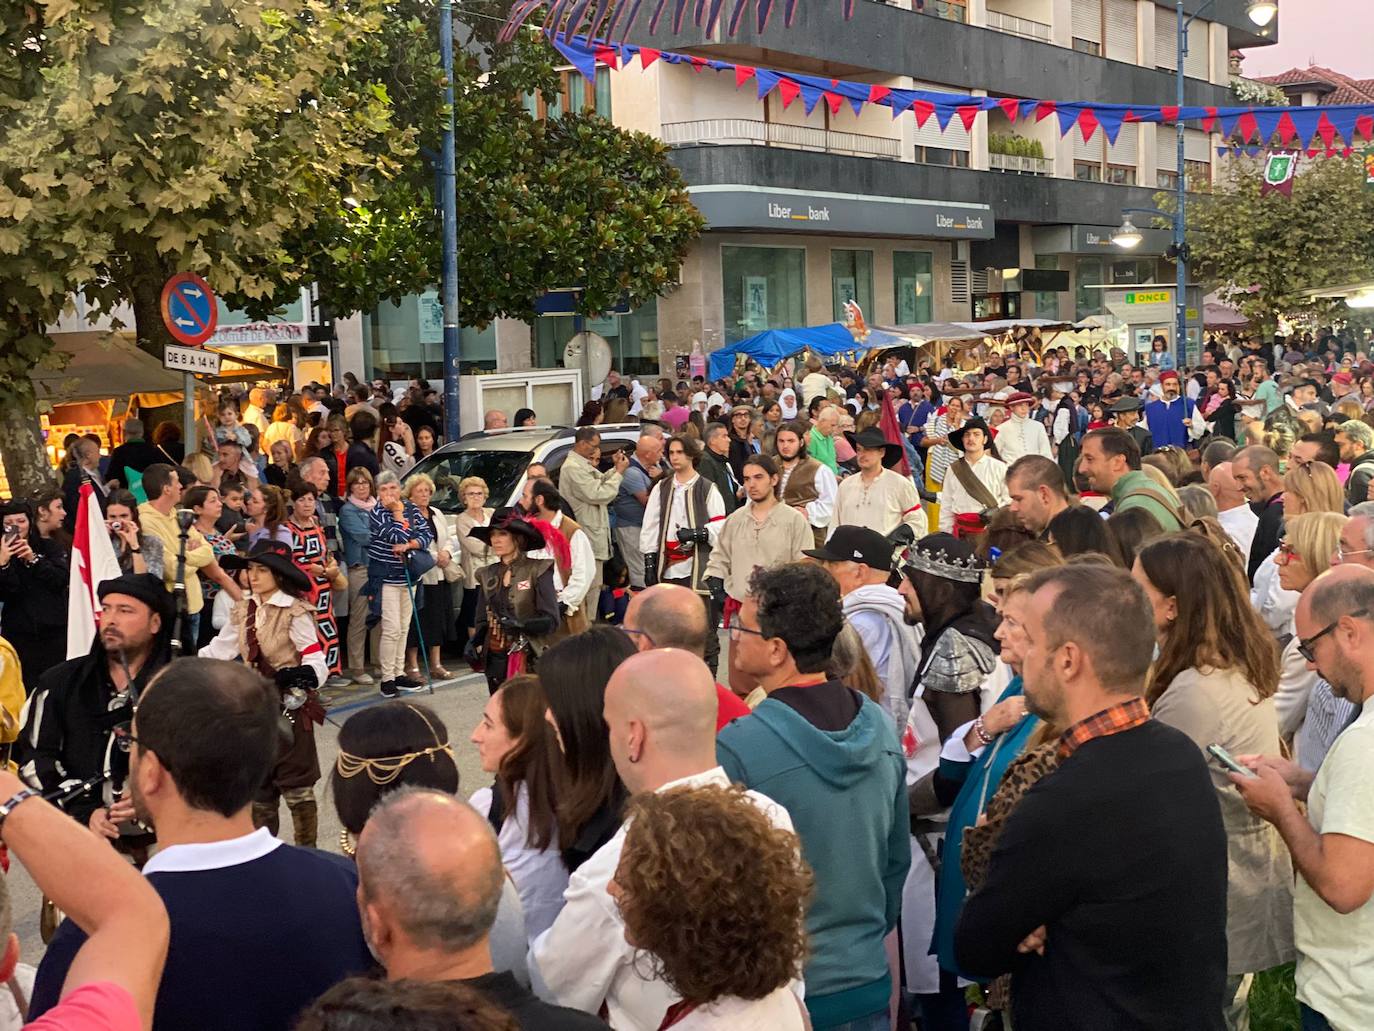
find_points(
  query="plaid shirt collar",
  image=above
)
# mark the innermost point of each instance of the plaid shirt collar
(1110, 721)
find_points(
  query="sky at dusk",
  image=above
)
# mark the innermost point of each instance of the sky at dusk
(1333, 33)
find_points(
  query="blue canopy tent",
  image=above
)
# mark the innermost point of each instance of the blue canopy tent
(773, 345)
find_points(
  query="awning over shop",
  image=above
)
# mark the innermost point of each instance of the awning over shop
(103, 365)
(773, 345)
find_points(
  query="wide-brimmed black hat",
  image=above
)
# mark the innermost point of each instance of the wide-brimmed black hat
(956, 437)
(527, 537)
(872, 438)
(1128, 403)
(276, 556)
(144, 587)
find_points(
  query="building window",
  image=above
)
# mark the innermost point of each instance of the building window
(1121, 175)
(1199, 176)
(949, 10)
(1087, 46)
(575, 95)
(1088, 302)
(941, 156)
(406, 341)
(602, 91)
(763, 287)
(1046, 301)
(1087, 171)
(913, 282)
(851, 279)
(633, 339)
(1167, 180)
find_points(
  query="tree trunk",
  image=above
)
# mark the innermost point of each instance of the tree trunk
(145, 298)
(21, 443)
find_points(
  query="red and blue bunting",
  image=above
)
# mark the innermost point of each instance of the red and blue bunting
(1249, 127)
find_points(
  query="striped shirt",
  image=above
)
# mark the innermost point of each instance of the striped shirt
(388, 530)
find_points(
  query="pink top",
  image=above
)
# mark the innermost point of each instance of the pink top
(676, 416)
(102, 1006)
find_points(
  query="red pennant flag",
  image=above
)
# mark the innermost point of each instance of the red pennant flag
(833, 100)
(1210, 120)
(1326, 131)
(1247, 126)
(923, 109)
(698, 63)
(1087, 123)
(608, 56)
(967, 114)
(1043, 110)
(1286, 129)
(743, 73)
(1010, 106)
(647, 56)
(789, 91)
(1169, 114)
(1130, 116)
(1348, 152)
(877, 94)
(1364, 125)
(1314, 152)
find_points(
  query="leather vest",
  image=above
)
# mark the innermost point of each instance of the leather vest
(524, 575)
(274, 635)
(800, 489)
(696, 517)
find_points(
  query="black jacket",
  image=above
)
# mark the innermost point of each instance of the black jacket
(529, 1011)
(714, 468)
(1120, 855)
(71, 495)
(67, 737)
(1361, 472)
(1267, 532)
(35, 614)
(136, 455)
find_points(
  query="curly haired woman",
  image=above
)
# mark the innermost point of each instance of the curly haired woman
(716, 895)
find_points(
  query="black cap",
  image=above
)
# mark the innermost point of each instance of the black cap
(855, 544)
(144, 587)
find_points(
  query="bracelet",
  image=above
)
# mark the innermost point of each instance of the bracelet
(981, 730)
(13, 803)
(135, 551)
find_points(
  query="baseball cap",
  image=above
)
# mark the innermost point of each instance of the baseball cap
(855, 544)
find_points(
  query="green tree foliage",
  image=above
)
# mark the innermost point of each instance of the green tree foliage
(1265, 251)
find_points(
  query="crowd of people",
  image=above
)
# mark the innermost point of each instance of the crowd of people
(1016, 696)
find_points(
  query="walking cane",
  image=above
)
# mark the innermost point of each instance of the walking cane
(419, 634)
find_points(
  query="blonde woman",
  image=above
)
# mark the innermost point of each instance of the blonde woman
(474, 493)
(1305, 553)
(1306, 488)
(433, 596)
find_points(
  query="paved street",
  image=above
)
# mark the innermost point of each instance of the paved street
(459, 704)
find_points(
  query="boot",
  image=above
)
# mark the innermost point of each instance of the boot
(267, 814)
(305, 820)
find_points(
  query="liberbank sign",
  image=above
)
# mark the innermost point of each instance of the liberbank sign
(759, 208)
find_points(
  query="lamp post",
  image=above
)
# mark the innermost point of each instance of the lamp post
(1261, 12)
(448, 205)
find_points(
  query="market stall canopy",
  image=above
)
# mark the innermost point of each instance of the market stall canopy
(103, 365)
(998, 326)
(773, 345)
(921, 334)
(1216, 314)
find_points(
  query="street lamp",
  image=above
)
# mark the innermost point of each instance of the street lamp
(448, 206)
(1261, 12)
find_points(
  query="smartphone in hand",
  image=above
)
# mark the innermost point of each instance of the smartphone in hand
(1227, 760)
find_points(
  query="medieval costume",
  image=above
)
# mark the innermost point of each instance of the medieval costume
(275, 634)
(517, 607)
(809, 485)
(1127, 412)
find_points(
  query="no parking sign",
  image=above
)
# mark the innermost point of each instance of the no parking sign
(189, 309)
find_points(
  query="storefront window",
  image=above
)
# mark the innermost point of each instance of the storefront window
(406, 340)
(851, 279)
(633, 339)
(912, 284)
(1046, 301)
(1088, 302)
(764, 288)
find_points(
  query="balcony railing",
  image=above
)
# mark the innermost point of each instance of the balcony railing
(1026, 28)
(1021, 165)
(726, 131)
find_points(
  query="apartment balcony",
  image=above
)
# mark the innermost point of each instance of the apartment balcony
(1026, 28)
(1017, 165)
(946, 10)
(735, 131)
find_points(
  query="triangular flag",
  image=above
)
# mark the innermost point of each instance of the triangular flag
(1169, 114)
(1043, 110)
(789, 91)
(923, 109)
(1326, 131)
(834, 100)
(1364, 125)
(608, 56)
(1286, 127)
(968, 114)
(1210, 120)
(877, 94)
(743, 73)
(1087, 124)
(1247, 125)
(647, 56)
(767, 81)
(1010, 106)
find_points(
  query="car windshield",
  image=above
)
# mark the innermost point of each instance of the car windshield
(500, 469)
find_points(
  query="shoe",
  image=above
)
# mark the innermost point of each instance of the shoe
(338, 680)
(406, 687)
(440, 673)
(413, 681)
(365, 679)
(389, 689)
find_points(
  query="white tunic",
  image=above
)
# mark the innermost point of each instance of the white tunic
(955, 500)
(540, 876)
(1017, 437)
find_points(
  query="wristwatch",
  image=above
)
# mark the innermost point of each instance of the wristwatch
(14, 801)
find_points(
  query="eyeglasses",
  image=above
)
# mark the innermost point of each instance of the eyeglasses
(734, 630)
(1342, 554)
(1286, 553)
(1305, 647)
(634, 632)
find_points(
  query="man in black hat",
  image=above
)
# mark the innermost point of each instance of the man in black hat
(72, 740)
(878, 497)
(974, 483)
(1126, 416)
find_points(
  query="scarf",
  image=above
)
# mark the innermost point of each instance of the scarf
(367, 506)
(822, 449)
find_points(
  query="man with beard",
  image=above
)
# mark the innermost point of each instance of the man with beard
(262, 927)
(1036, 488)
(807, 485)
(1173, 421)
(75, 739)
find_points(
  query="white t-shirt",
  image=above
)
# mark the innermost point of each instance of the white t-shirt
(778, 1011)
(1335, 951)
(540, 877)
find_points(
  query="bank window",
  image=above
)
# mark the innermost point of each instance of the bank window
(763, 288)
(1088, 302)
(633, 339)
(851, 279)
(913, 281)
(1046, 301)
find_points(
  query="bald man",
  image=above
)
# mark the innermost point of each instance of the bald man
(660, 711)
(1237, 518)
(430, 882)
(673, 616)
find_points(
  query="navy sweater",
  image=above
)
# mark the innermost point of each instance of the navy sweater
(252, 945)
